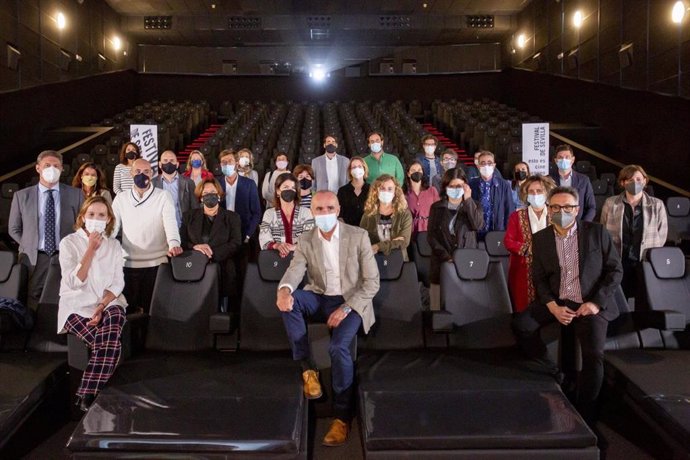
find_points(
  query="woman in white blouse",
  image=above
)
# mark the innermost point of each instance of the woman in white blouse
(92, 306)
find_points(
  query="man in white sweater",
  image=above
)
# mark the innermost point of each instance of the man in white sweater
(146, 215)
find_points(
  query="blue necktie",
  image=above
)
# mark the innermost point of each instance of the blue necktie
(49, 240)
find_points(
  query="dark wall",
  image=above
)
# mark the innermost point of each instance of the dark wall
(641, 127)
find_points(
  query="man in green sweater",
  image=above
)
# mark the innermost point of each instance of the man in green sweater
(380, 162)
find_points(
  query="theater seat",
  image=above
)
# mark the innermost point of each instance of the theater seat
(678, 209)
(496, 249)
(420, 254)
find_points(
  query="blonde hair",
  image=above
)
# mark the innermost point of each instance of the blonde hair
(80, 223)
(399, 203)
(250, 166)
(364, 166)
(546, 182)
(189, 160)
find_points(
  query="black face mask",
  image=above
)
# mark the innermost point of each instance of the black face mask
(416, 176)
(520, 175)
(330, 148)
(142, 180)
(305, 184)
(288, 195)
(211, 200)
(169, 168)
(131, 155)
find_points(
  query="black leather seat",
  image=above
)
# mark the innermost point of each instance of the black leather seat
(421, 256)
(678, 209)
(497, 250)
(13, 282)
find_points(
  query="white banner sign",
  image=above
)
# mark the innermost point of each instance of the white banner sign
(146, 137)
(535, 147)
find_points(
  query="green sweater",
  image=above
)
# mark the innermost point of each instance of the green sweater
(388, 164)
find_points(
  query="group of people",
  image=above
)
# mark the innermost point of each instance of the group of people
(332, 216)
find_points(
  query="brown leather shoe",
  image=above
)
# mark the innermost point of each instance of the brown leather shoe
(312, 387)
(337, 433)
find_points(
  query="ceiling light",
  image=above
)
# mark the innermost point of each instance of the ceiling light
(61, 21)
(678, 12)
(578, 19)
(521, 41)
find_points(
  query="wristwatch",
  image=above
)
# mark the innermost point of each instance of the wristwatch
(346, 309)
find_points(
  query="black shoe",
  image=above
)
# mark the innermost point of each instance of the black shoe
(85, 402)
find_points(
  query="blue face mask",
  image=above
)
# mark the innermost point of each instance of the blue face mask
(564, 164)
(537, 201)
(455, 193)
(375, 147)
(228, 170)
(196, 163)
(326, 222)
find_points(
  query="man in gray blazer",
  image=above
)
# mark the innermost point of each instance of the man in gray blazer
(40, 216)
(181, 188)
(330, 169)
(342, 280)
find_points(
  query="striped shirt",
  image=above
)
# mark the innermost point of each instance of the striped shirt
(568, 259)
(122, 178)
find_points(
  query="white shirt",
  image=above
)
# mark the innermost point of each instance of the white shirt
(331, 262)
(332, 173)
(105, 273)
(536, 223)
(230, 194)
(566, 181)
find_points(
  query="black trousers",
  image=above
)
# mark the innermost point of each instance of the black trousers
(37, 277)
(138, 289)
(590, 331)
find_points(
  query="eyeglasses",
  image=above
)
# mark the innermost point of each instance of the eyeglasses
(568, 208)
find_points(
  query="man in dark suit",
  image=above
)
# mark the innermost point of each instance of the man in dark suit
(567, 177)
(181, 188)
(40, 216)
(576, 270)
(241, 194)
(493, 193)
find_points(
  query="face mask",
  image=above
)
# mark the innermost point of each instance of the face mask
(196, 163)
(416, 176)
(520, 175)
(305, 184)
(131, 155)
(288, 196)
(537, 201)
(95, 225)
(455, 193)
(487, 171)
(429, 150)
(228, 170)
(211, 200)
(50, 174)
(89, 181)
(564, 164)
(330, 148)
(357, 172)
(634, 188)
(386, 197)
(169, 168)
(449, 164)
(326, 222)
(141, 180)
(562, 219)
(375, 147)
(281, 164)
(244, 161)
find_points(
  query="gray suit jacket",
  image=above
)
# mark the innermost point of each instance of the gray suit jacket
(186, 196)
(359, 274)
(23, 222)
(318, 164)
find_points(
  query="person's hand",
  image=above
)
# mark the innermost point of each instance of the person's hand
(375, 248)
(205, 249)
(564, 315)
(336, 318)
(284, 299)
(587, 308)
(96, 318)
(467, 192)
(95, 240)
(175, 251)
(284, 249)
(399, 238)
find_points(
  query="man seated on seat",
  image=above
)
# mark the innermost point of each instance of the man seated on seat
(150, 234)
(40, 216)
(576, 270)
(342, 280)
(181, 188)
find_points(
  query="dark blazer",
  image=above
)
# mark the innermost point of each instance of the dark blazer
(23, 220)
(186, 196)
(588, 205)
(601, 271)
(225, 237)
(247, 204)
(501, 196)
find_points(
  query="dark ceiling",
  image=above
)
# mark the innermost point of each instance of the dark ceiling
(318, 22)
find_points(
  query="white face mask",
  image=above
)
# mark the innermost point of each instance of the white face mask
(50, 174)
(429, 150)
(375, 147)
(95, 225)
(536, 201)
(386, 197)
(281, 164)
(357, 172)
(244, 161)
(486, 171)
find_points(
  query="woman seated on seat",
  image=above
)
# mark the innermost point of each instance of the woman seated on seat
(268, 189)
(386, 217)
(353, 195)
(453, 223)
(196, 168)
(286, 220)
(215, 232)
(246, 165)
(91, 305)
(305, 177)
(122, 176)
(419, 197)
(522, 224)
(91, 180)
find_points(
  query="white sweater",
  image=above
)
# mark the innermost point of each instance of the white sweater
(149, 226)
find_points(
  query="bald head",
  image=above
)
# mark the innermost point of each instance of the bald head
(325, 202)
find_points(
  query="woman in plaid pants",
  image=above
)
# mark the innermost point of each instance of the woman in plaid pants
(92, 306)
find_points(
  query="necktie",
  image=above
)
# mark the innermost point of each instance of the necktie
(49, 243)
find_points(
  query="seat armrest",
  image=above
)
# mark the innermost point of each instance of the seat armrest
(442, 321)
(219, 323)
(665, 320)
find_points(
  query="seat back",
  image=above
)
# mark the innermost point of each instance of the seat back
(420, 254)
(397, 306)
(474, 291)
(6, 195)
(621, 332)
(13, 277)
(185, 295)
(497, 250)
(678, 208)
